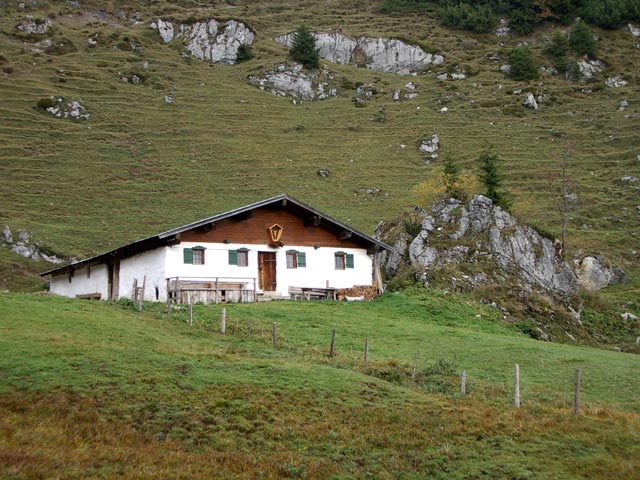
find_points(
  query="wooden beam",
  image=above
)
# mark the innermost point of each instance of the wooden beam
(244, 215)
(173, 240)
(208, 227)
(312, 221)
(345, 234)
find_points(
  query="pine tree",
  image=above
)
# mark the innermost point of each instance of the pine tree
(492, 179)
(582, 41)
(522, 64)
(303, 48)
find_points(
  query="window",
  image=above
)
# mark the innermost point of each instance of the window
(198, 256)
(343, 260)
(296, 259)
(194, 256)
(239, 257)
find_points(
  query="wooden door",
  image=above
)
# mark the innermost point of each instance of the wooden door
(267, 271)
(114, 280)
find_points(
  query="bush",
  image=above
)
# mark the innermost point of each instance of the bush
(522, 65)
(558, 51)
(47, 102)
(609, 14)
(304, 48)
(581, 40)
(523, 18)
(476, 18)
(245, 52)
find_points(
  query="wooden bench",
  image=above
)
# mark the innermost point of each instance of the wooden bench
(308, 293)
(90, 296)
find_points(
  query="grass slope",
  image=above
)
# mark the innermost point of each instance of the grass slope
(96, 390)
(140, 165)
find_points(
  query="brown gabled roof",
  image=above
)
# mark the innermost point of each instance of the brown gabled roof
(172, 236)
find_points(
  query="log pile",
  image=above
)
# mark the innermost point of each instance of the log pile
(366, 291)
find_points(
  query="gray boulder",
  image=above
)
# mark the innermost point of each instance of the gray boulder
(589, 68)
(35, 26)
(530, 101)
(292, 81)
(594, 273)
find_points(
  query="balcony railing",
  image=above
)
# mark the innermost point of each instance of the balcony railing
(207, 290)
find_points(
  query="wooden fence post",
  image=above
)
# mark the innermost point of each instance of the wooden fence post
(333, 343)
(463, 383)
(275, 334)
(366, 350)
(576, 398)
(223, 322)
(415, 367)
(516, 389)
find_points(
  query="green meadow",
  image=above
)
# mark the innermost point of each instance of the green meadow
(100, 390)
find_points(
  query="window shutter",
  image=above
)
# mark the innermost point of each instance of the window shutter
(188, 255)
(233, 257)
(302, 259)
(349, 260)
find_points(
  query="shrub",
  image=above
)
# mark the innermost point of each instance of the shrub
(47, 102)
(610, 14)
(523, 18)
(558, 51)
(522, 65)
(62, 46)
(304, 48)
(473, 17)
(245, 52)
(581, 40)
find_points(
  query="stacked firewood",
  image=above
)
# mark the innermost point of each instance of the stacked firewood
(357, 293)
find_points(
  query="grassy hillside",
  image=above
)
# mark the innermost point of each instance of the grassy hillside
(96, 390)
(139, 165)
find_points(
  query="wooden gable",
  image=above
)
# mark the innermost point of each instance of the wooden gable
(253, 228)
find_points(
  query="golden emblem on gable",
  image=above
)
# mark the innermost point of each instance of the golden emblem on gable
(275, 233)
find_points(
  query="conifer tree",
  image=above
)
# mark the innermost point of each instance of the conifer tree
(304, 48)
(492, 179)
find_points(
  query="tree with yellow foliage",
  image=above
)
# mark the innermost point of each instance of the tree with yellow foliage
(446, 182)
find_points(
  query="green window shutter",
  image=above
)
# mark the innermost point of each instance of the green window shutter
(188, 255)
(349, 260)
(302, 259)
(233, 257)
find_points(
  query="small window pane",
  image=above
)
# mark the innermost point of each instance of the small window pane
(292, 259)
(243, 258)
(198, 256)
(340, 261)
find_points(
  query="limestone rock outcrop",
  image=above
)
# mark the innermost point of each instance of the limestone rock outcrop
(35, 26)
(489, 245)
(24, 246)
(292, 81)
(211, 40)
(376, 53)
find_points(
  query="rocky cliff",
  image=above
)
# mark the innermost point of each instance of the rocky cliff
(488, 246)
(376, 53)
(210, 40)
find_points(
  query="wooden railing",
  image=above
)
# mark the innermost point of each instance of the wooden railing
(207, 290)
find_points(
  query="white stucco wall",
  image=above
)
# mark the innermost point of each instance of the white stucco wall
(164, 262)
(80, 284)
(319, 271)
(152, 264)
